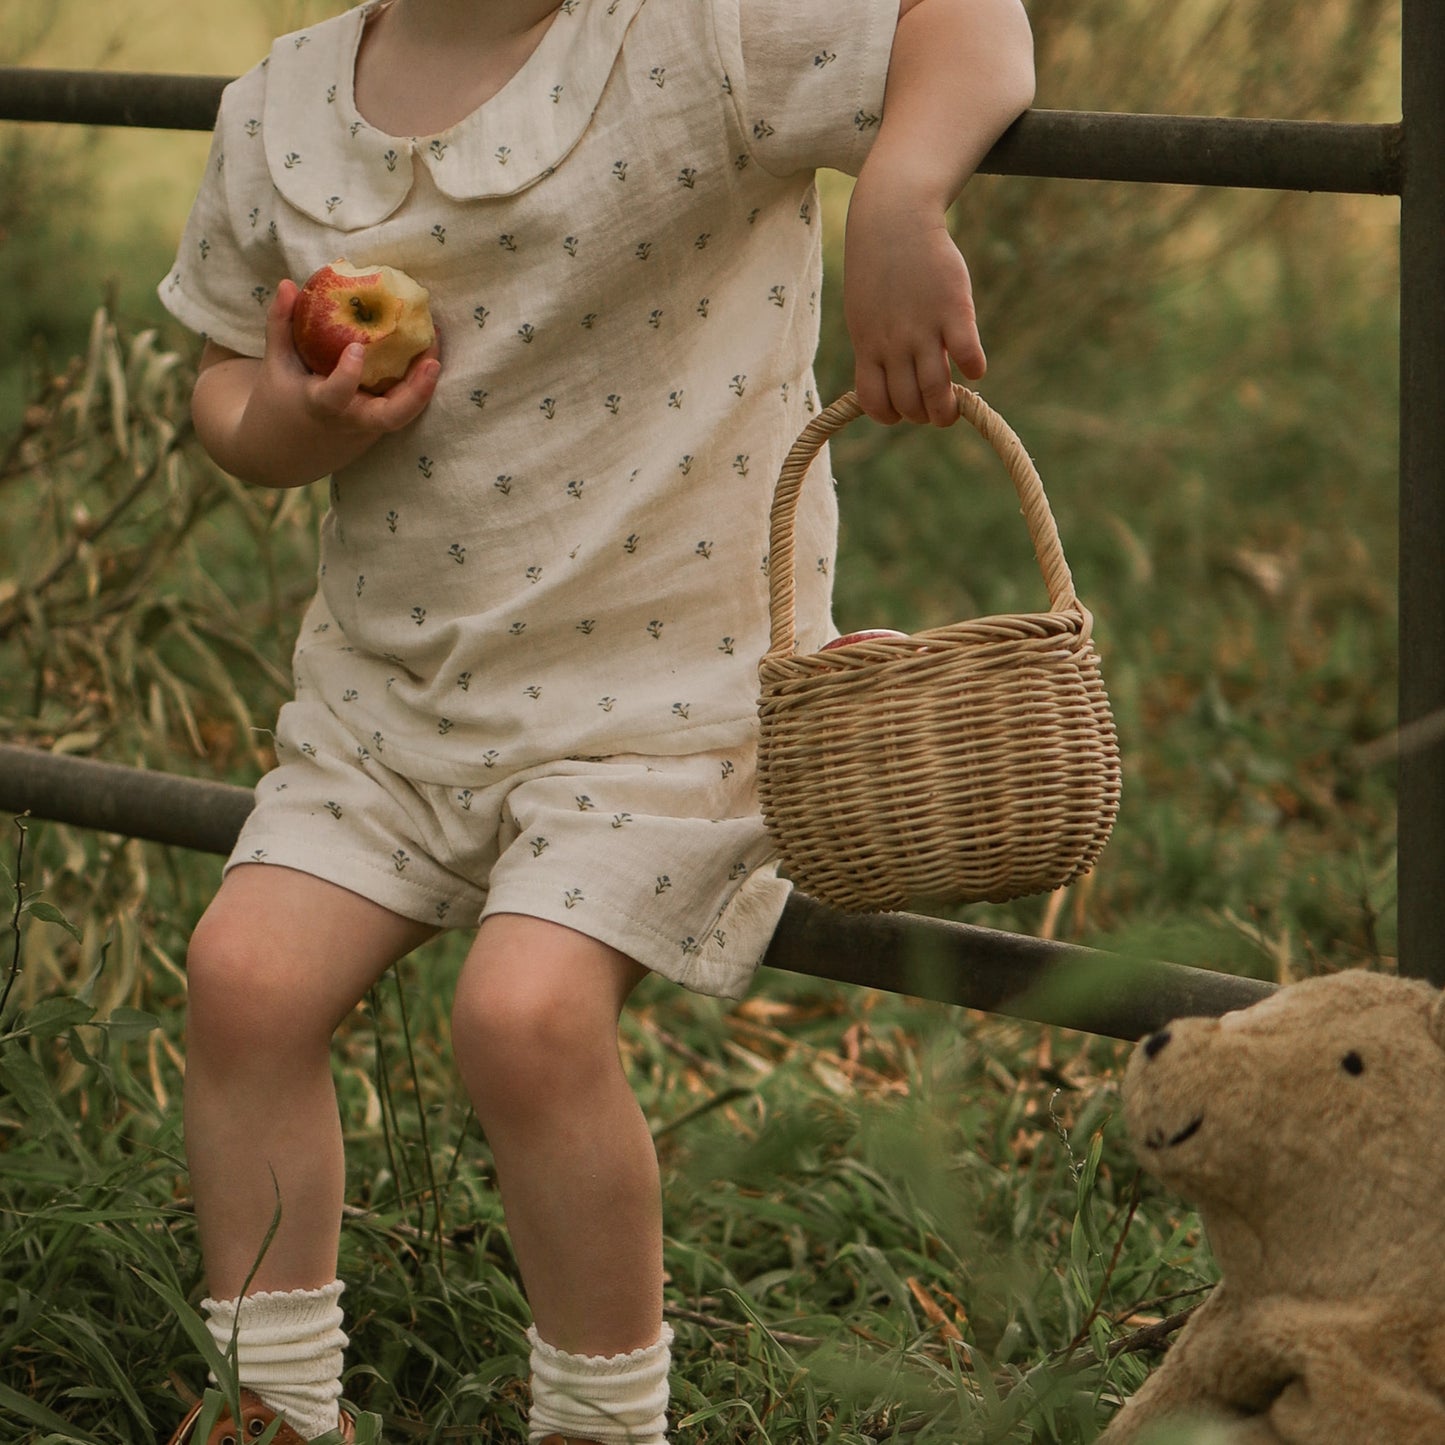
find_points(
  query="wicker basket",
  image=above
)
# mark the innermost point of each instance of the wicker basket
(975, 762)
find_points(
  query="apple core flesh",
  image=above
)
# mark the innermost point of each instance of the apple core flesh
(379, 306)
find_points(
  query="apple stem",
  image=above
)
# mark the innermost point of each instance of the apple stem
(362, 311)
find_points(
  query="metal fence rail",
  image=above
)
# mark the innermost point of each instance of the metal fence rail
(982, 968)
(1047, 982)
(1075, 145)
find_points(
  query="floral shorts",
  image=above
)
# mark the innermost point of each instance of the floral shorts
(664, 858)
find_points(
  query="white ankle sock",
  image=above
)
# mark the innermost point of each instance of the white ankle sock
(613, 1399)
(288, 1351)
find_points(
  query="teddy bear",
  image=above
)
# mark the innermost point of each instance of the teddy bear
(1309, 1131)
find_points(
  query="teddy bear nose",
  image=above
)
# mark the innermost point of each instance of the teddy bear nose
(1155, 1044)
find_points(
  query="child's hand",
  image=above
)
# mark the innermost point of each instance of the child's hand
(274, 423)
(339, 395)
(908, 303)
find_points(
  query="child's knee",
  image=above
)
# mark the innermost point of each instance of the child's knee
(500, 1033)
(526, 1049)
(534, 1021)
(240, 997)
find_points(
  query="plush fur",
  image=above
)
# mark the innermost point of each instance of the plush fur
(1309, 1131)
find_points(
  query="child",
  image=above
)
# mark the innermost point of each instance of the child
(526, 688)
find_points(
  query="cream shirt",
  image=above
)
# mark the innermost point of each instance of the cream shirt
(566, 555)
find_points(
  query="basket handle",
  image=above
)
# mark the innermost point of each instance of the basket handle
(1048, 551)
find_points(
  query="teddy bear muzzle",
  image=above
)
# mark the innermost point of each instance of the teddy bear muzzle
(1157, 1138)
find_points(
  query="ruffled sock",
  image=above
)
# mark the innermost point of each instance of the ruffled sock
(288, 1351)
(613, 1399)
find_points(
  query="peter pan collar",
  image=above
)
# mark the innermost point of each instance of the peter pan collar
(334, 167)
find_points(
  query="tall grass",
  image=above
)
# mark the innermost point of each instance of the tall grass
(881, 1225)
(886, 1220)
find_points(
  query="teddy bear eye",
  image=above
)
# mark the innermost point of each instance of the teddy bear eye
(1352, 1063)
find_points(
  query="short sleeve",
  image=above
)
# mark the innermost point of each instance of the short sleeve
(807, 77)
(229, 262)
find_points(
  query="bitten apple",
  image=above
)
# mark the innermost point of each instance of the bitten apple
(379, 306)
(867, 635)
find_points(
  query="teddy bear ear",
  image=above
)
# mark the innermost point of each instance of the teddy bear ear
(1437, 1019)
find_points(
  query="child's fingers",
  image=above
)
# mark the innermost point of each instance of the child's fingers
(911, 388)
(284, 364)
(280, 345)
(934, 380)
(341, 393)
(278, 319)
(870, 382)
(904, 391)
(401, 404)
(966, 349)
(335, 393)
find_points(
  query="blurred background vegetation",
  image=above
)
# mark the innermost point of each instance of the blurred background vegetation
(887, 1220)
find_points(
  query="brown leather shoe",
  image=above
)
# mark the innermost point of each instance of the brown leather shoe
(255, 1419)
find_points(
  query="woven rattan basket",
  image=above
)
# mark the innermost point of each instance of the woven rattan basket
(972, 762)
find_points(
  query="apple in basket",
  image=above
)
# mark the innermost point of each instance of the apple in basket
(379, 306)
(867, 635)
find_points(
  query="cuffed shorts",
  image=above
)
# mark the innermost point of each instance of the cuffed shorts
(664, 858)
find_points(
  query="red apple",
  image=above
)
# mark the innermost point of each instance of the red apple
(867, 635)
(379, 306)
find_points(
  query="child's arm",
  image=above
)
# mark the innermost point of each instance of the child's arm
(961, 72)
(273, 423)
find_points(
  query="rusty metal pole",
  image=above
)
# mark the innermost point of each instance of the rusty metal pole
(980, 968)
(1190, 150)
(1422, 490)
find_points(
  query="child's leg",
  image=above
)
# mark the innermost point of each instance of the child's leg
(277, 962)
(275, 965)
(535, 1034)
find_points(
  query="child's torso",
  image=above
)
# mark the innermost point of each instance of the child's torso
(567, 554)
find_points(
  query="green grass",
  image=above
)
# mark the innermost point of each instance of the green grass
(886, 1220)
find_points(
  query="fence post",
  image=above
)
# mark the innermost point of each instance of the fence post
(1421, 817)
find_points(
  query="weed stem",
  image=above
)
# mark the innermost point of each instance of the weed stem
(19, 908)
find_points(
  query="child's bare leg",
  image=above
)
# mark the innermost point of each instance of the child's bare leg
(535, 1035)
(277, 962)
